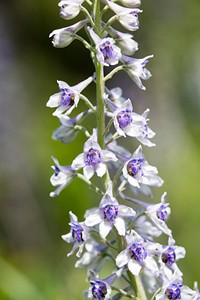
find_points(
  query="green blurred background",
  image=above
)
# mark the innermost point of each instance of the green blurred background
(33, 262)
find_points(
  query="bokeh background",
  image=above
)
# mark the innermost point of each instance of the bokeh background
(33, 262)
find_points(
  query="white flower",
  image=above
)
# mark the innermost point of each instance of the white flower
(70, 9)
(110, 213)
(93, 159)
(68, 97)
(168, 255)
(62, 177)
(129, 123)
(173, 288)
(64, 36)
(92, 255)
(67, 131)
(107, 52)
(115, 95)
(137, 255)
(159, 213)
(125, 41)
(128, 17)
(136, 69)
(78, 235)
(137, 171)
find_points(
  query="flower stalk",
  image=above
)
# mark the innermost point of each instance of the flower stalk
(126, 236)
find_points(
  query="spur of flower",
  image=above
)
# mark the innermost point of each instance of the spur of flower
(64, 36)
(78, 235)
(107, 53)
(70, 9)
(93, 159)
(129, 123)
(62, 177)
(137, 255)
(128, 17)
(68, 97)
(110, 213)
(136, 69)
(137, 171)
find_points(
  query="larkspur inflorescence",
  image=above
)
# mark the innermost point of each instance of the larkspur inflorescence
(123, 235)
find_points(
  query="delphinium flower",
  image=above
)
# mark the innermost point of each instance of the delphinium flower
(119, 240)
(137, 255)
(68, 97)
(93, 159)
(78, 234)
(62, 177)
(110, 213)
(137, 171)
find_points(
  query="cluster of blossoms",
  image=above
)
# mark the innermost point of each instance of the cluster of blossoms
(125, 236)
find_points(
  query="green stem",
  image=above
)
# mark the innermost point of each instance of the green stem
(94, 187)
(100, 87)
(137, 286)
(115, 70)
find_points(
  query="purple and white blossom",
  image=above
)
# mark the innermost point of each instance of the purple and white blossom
(173, 288)
(100, 289)
(137, 255)
(62, 177)
(128, 17)
(67, 132)
(78, 235)
(64, 36)
(107, 53)
(68, 97)
(136, 69)
(110, 213)
(129, 123)
(159, 213)
(93, 159)
(137, 171)
(70, 9)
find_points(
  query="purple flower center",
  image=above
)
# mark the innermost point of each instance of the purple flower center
(99, 289)
(138, 252)
(124, 118)
(162, 213)
(173, 292)
(134, 166)
(56, 170)
(110, 212)
(67, 97)
(107, 51)
(77, 232)
(169, 256)
(92, 157)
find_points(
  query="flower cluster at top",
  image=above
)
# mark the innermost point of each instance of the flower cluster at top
(114, 238)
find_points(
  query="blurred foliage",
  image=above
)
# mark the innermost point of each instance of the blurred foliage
(33, 263)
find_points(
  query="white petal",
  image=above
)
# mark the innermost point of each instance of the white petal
(122, 258)
(134, 267)
(78, 162)
(88, 172)
(68, 237)
(108, 155)
(101, 169)
(104, 228)
(120, 226)
(126, 211)
(54, 100)
(93, 219)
